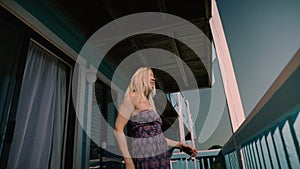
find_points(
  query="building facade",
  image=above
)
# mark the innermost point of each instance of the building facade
(58, 108)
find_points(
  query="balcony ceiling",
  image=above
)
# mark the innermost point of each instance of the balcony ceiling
(82, 14)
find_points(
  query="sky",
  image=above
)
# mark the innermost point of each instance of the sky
(262, 36)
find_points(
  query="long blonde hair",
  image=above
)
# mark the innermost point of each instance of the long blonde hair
(140, 84)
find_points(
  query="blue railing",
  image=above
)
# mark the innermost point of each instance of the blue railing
(206, 159)
(270, 136)
(275, 147)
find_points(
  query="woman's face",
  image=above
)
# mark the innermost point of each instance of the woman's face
(151, 79)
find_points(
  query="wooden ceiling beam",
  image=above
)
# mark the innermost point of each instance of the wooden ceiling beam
(179, 60)
(138, 46)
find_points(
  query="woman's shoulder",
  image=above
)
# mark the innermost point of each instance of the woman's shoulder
(133, 94)
(133, 97)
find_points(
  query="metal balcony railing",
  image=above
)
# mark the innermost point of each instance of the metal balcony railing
(270, 136)
(206, 159)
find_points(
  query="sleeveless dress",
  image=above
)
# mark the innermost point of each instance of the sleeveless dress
(149, 146)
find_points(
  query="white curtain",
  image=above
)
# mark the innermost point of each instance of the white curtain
(38, 135)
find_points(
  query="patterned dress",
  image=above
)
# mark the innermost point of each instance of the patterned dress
(149, 146)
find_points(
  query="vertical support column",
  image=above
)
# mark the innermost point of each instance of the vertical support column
(235, 107)
(191, 123)
(180, 119)
(91, 78)
(191, 126)
(79, 100)
(236, 111)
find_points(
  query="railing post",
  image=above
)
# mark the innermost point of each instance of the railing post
(239, 155)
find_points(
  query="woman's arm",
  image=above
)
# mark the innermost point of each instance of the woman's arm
(183, 147)
(173, 143)
(124, 113)
(120, 124)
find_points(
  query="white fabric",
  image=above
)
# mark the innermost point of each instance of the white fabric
(41, 105)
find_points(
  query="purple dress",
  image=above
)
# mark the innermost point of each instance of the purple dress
(149, 146)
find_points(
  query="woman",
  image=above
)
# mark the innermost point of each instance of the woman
(150, 149)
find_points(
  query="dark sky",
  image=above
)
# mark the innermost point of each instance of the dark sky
(262, 36)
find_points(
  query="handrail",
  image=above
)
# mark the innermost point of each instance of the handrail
(204, 159)
(268, 137)
(201, 153)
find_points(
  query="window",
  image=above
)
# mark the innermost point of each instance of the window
(102, 129)
(40, 119)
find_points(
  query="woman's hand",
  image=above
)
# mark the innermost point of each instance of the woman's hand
(129, 166)
(129, 163)
(187, 149)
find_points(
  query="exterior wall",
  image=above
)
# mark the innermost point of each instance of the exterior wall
(86, 76)
(10, 17)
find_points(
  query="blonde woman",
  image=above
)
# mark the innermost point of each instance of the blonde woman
(150, 149)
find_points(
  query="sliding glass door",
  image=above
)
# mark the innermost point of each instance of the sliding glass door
(38, 137)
